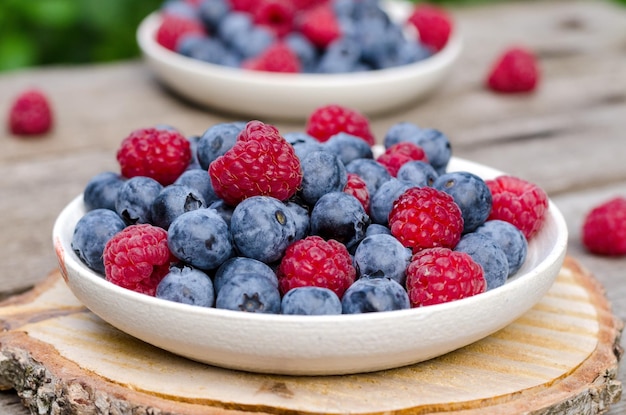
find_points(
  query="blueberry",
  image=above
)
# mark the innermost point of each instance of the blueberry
(212, 12)
(367, 295)
(91, 234)
(301, 218)
(377, 229)
(101, 191)
(436, 145)
(489, 255)
(217, 140)
(470, 193)
(262, 228)
(223, 209)
(187, 285)
(241, 265)
(380, 256)
(194, 164)
(254, 41)
(199, 180)
(200, 237)
(372, 172)
(322, 172)
(419, 173)
(340, 56)
(173, 201)
(232, 24)
(348, 147)
(310, 301)
(203, 48)
(303, 143)
(510, 239)
(135, 197)
(304, 49)
(381, 202)
(250, 293)
(339, 216)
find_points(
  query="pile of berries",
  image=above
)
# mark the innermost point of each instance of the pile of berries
(244, 217)
(301, 36)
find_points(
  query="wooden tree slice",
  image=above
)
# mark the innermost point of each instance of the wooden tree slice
(561, 357)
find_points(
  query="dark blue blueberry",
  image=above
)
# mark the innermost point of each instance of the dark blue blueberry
(212, 12)
(339, 216)
(303, 143)
(310, 301)
(368, 295)
(216, 141)
(262, 228)
(173, 201)
(377, 229)
(372, 172)
(223, 209)
(381, 202)
(187, 285)
(199, 180)
(436, 145)
(135, 197)
(202, 48)
(250, 293)
(322, 172)
(304, 49)
(420, 173)
(91, 234)
(101, 191)
(378, 39)
(194, 164)
(410, 51)
(510, 239)
(380, 256)
(301, 218)
(489, 255)
(232, 24)
(340, 56)
(240, 265)
(470, 193)
(253, 42)
(348, 147)
(200, 237)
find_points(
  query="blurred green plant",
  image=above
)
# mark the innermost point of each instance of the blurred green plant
(42, 32)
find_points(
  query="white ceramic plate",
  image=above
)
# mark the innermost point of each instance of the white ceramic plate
(316, 345)
(294, 96)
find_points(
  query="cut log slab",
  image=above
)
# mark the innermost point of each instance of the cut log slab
(562, 357)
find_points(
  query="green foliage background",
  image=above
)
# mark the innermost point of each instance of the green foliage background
(43, 32)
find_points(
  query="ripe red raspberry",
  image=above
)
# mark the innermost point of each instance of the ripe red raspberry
(316, 262)
(519, 202)
(261, 163)
(440, 275)
(243, 5)
(277, 58)
(395, 156)
(137, 258)
(433, 25)
(329, 120)
(604, 228)
(514, 71)
(357, 187)
(157, 153)
(173, 28)
(424, 217)
(30, 114)
(278, 15)
(320, 25)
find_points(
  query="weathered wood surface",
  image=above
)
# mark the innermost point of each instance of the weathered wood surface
(559, 357)
(568, 137)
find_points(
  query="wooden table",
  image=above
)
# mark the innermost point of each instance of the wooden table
(569, 137)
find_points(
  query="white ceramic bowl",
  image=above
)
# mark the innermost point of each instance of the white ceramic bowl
(316, 345)
(294, 96)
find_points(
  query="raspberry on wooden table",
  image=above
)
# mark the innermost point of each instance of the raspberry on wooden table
(604, 228)
(440, 275)
(30, 114)
(328, 120)
(514, 71)
(137, 258)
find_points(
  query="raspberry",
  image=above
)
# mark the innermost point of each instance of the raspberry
(518, 202)
(137, 258)
(278, 15)
(326, 121)
(604, 228)
(433, 25)
(514, 71)
(424, 217)
(440, 275)
(320, 25)
(358, 188)
(30, 114)
(173, 28)
(261, 163)
(276, 58)
(316, 262)
(156, 153)
(397, 155)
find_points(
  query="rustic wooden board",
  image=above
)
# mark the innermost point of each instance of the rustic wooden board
(560, 357)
